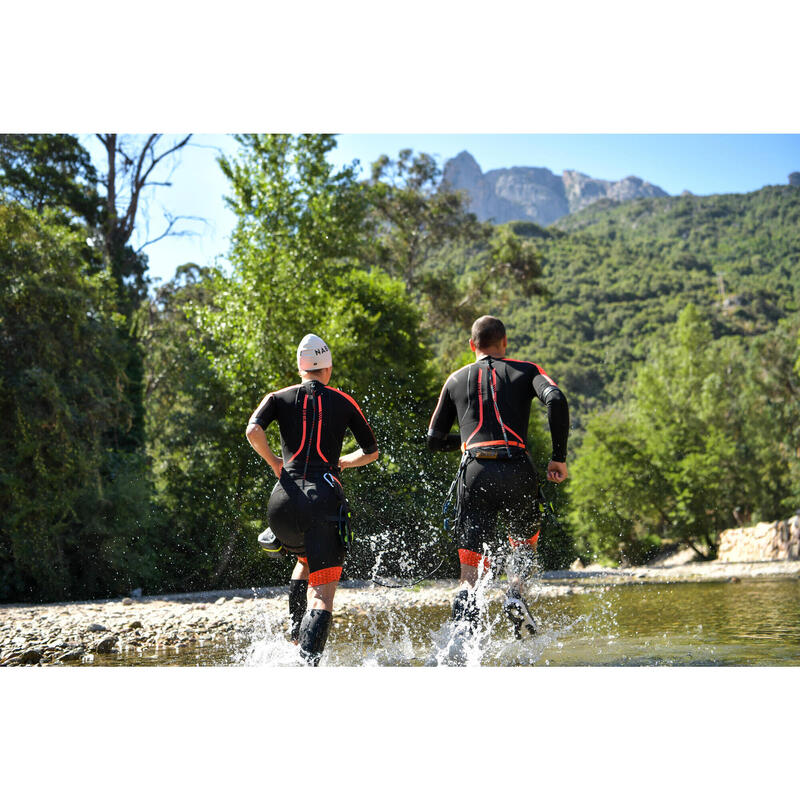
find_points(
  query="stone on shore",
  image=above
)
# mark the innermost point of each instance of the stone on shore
(32, 656)
(105, 645)
(767, 541)
(72, 655)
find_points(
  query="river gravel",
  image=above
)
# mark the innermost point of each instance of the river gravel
(69, 633)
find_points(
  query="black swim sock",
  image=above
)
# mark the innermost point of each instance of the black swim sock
(298, 599)
(313, 634)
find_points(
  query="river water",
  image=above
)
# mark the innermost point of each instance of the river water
(747, 623)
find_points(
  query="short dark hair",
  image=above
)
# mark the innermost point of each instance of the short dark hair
(315, 373)
(487, 331)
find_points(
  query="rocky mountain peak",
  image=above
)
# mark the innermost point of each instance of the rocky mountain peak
(463, 167)
(535, 193)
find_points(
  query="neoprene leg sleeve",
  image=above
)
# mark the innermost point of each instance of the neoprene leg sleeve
(297, 605)
(313, 635)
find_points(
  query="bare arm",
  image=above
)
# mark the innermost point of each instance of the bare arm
(258, 441)
(357, 459)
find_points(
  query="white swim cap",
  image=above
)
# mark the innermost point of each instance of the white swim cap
(313, 353)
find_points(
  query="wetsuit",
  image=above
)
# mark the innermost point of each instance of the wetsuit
(304, 506)
(492, 401)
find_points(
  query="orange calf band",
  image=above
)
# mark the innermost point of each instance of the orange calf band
(302, 559)
(473, 559)
(530, 542)
(328, 575)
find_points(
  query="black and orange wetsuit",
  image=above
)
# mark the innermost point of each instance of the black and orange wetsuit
(304, 504)
(492, 401)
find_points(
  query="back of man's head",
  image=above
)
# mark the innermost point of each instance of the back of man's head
(487, 332)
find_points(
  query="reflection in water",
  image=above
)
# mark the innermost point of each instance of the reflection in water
(747, 623)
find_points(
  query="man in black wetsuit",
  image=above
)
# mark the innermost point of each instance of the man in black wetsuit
(492, 401)
(307, 504)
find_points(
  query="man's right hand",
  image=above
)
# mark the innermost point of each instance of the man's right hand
(557, 471)
(277, 466)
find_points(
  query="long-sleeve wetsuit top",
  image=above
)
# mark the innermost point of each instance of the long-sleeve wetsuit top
(313, 419)
(492, 400)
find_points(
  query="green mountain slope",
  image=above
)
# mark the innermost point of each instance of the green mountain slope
(619, 273)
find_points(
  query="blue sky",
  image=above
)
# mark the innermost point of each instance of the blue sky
(701, 163)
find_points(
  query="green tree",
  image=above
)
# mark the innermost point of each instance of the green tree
(49, 171)
(615, 492)
(769, 409)
(232, 338)
(73, 507)
(674, 464)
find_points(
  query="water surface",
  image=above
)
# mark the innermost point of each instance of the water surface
(748, 623)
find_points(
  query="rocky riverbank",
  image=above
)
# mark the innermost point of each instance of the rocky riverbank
(81, 632)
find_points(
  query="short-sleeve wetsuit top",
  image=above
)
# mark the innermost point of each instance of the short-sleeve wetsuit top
(492, 400)
(313, 419)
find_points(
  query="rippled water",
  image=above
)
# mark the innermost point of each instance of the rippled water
(747, 623)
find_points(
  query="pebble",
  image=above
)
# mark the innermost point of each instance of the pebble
(32, 656)
(105, 645)
(219, 601)
(127, 601)
(96, 627)
(72, 655)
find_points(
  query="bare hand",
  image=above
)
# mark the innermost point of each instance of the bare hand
(277, 466)
(556, 471)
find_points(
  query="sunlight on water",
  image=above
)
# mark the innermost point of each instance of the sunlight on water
(682, 624)
(748, 623)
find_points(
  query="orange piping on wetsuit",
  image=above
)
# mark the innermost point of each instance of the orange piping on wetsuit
(328, 575)
(344, 394)
(480, 414)
(541, 371)
(303, 440)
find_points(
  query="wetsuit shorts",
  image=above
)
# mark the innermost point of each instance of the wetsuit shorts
(505, 489)
(303, 514)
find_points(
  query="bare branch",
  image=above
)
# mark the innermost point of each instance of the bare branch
(171, 220)
(140, 179)
(156, 160)
(136, 185)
